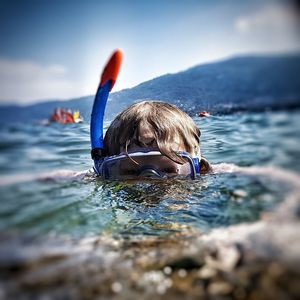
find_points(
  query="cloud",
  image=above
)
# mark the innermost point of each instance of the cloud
(271, 18)
(274, 28)
(26, 81)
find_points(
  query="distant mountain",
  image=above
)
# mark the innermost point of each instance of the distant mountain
(241, 83)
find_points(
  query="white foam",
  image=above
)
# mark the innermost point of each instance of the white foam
(58, 175)
(283, 175)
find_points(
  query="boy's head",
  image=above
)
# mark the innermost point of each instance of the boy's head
(153, 125)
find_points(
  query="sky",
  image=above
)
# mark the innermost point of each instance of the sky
(56, 49)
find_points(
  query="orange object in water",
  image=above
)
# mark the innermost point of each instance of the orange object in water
(68, 118)
(112, 68)
(203, 114)
(62, 116)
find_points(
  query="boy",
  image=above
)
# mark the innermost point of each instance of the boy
(152, 139)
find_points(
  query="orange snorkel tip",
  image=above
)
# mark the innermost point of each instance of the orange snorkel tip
(112, 69)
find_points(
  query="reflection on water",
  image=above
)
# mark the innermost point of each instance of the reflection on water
(89, 207)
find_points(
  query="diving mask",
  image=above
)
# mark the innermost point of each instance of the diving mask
(147, 164)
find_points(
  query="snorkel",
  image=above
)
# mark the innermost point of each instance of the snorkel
(108, 79)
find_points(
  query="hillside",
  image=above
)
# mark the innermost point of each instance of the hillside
(241, 83)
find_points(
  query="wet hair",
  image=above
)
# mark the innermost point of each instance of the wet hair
(168, 124)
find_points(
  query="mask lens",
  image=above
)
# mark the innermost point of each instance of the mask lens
(136, 166)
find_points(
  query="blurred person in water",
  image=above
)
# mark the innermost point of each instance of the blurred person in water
(152, 139)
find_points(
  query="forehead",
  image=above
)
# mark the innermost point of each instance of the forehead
(135, 147)
(145, 131)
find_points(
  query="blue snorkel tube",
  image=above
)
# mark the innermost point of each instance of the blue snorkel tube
(108, 79)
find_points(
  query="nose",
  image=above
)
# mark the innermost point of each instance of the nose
(152, 173)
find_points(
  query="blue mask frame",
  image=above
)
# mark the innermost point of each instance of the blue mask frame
(147, 170)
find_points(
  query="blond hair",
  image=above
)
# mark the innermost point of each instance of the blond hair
(167, 122)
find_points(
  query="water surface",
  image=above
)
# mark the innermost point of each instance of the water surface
(79, 208)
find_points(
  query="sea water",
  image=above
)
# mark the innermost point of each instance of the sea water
(36, 200)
